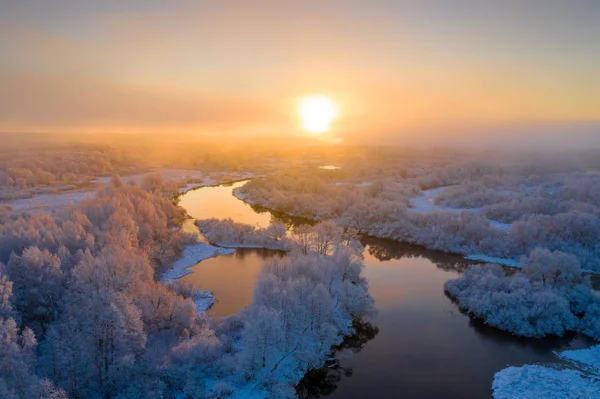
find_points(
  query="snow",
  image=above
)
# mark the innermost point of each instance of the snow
(491, 259)
(280, 247)
(425, 203)
(192, 254)
(581, 379)
(588, 359)
(508, 261)
(203, 300)
(499, 225)
(190, 186)
(237, 193)
(535, 382)
(47, 201)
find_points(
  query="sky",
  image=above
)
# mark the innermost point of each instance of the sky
(396, 69)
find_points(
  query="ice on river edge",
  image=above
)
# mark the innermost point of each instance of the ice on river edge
(581, 380)
(192, 254)
(492, 259)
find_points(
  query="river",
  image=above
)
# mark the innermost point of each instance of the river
(419, 345)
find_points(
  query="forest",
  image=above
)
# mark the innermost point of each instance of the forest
(83, 314)
(87, 309)
(501, 207)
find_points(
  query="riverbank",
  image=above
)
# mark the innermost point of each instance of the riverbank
(406, 283)
(468, 256)
(192, 255)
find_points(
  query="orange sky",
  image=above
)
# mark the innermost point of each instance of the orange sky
(239, 67)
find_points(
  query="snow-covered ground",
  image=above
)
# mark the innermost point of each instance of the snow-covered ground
(588, 359)
(203, 300)
(507, 262)
(280, 247)
(47, 201)
(537, 382)
(580, 379)
(426, 203)
(192, 254)
(491, 259)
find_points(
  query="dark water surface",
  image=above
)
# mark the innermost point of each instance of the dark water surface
(418, 346)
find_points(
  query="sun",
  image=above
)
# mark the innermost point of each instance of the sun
(316, 113)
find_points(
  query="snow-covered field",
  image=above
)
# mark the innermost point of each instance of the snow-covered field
(47, 201)
(425, 203)
(580, 380)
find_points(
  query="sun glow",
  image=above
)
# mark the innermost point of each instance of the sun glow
(317, 113)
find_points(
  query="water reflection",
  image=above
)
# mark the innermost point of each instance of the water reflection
(230, 277)
(424, 347)
(324, 380)
(219, 202)
(386, 250)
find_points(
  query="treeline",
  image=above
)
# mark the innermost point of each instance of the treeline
(550, 296)
(80, 299)
(54, 165)
(549, 204)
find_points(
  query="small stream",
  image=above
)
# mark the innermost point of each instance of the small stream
(419, 345)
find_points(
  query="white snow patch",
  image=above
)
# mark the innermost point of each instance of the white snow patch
(425, 203)
(192, 254)
(499, 225)
(48, 201)
(203, 300)
(588, 359)
(491, 259)
(190, 186)
(535, 382)
(280, 246)
(237, 193)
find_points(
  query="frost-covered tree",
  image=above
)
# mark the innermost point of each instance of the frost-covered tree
(302, 305)
(37, 286)
(511, 303)
(549, 297)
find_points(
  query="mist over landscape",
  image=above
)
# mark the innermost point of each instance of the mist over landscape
(264, 200)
